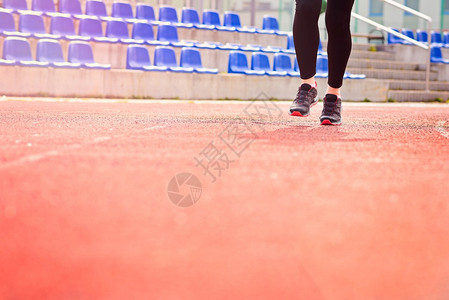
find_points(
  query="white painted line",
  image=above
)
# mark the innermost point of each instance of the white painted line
(41, 156)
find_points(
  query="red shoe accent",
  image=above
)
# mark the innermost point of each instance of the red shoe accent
(297, 114)
(327, 122)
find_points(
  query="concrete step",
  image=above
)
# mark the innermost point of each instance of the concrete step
(415, 96)
(377, 55)
(384, 64)
(357, 46)
(418, 85)
(393, 74)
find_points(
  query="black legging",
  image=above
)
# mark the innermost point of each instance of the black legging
(306, 37)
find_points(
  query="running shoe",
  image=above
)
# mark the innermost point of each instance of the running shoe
(305, 99)
(331, 114)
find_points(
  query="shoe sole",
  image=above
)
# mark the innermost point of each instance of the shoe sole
(328, 122)
(298, 114)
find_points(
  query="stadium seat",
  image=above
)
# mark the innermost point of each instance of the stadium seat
(80, 52)
(271, 25)
(446, 39)
(117, 29)
(191, 58)
(97, 8)
(238, 64)
(7, 25)
(212, 17)
(322, 69)
(144, 32)
(164, 56)
(169, 14)
(15, 5)
(283, 63)
(436, 39)
(146, 12)
(169, 33)
(295, 65)
(422, 36)
(50, 51)
(45, 6)
(33, 23)
(91, 27)
(409, 33)
(138, 58)
(64, 26)
(123, 10)
(72, 7)
(232, 20)
(392, 39)
(290, 48)
(191, 16)
(260, 62)
(18, 49)
(436, 56)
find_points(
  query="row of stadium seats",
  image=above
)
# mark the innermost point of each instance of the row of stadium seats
(437, 38)
(62, 26)
(17, 51)
(144, 12)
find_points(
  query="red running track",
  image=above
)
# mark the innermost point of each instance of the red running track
(304, 211)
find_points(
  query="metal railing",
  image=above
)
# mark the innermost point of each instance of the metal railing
(395, 33)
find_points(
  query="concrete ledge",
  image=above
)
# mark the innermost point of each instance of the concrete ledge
(30, 81)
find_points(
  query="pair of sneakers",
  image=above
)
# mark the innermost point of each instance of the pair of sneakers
(308, 96)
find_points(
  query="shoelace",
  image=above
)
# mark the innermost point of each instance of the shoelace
(299, 99)
(329, 107)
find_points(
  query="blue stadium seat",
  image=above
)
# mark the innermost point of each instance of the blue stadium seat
(144, 32)
(169, 33)
(146, 12)
(238, 64)
(436, 39)
(18, 49)
(164, 56)
(72, 7)
(232, 20)
(7, 25)
(295, 65)
(322, 69)
(33, 23)
(91, 27)
(422, 36)
(45, 6)
(191, 58)
(260, 62)
(81, 53)
(138, 58)
(290, 44)
(283, 63)
(64, 26)
(271, 25)
(15, 5)
(212, 17)
(97, 8)
(446, 39)
(50, 51)
(169, 14)
(123, 10)
(117, 29)
(190, 16)
(392, 39)
(409, 33)
(436, 55)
